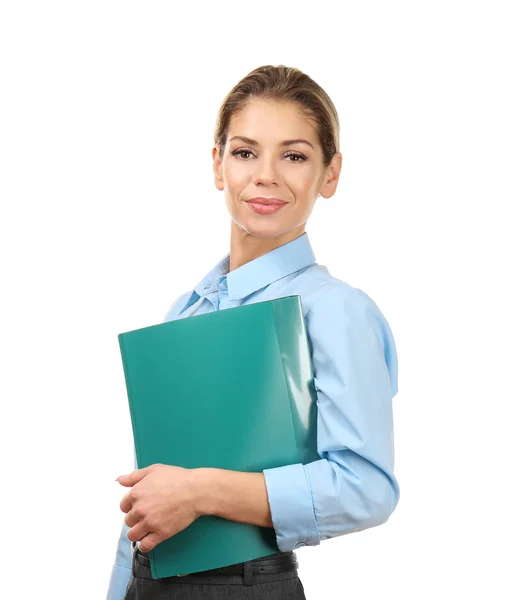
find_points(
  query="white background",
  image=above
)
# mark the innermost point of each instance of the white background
(109, 212)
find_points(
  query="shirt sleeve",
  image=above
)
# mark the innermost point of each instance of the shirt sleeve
(181, 303)
(352, 487)
(122, 568)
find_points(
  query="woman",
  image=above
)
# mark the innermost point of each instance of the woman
(275, 153)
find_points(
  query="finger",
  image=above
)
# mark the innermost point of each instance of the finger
(138, 531)
(134, 477)
(126, 503)
(149, 542)
(131, 518)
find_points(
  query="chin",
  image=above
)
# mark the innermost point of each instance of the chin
(259, 228)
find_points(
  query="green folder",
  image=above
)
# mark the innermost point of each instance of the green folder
(230, 389)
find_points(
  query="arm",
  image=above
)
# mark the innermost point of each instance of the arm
(122, 568)
(352, 487)
(234, 495)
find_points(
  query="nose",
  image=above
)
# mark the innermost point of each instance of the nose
(265, 172)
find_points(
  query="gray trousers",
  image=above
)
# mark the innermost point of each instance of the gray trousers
(251, 586)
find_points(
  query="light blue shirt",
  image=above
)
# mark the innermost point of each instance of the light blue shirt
(352, 487)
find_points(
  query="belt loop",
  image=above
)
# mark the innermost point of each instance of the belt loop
(134, 551)
(248, 573)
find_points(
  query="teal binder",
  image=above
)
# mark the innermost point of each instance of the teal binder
(230, 389)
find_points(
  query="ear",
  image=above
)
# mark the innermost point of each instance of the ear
(332, 175)
(217, 168)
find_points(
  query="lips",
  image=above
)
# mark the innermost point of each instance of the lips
(270, 208)
(267, 201)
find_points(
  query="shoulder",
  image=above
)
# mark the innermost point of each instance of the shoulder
(179, 304)
(343, 316)
(329, 293)
(346, 306)
(346, 327)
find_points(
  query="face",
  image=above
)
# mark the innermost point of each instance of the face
(272, 151)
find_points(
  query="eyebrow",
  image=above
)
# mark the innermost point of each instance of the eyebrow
(255, 143)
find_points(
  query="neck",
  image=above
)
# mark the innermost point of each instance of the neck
(246, 247)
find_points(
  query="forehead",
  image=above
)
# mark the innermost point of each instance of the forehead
(272, 119)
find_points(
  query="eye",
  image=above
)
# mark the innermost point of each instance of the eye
(242, 151)
(297, 156)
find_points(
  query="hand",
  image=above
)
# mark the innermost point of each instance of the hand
(162, 502)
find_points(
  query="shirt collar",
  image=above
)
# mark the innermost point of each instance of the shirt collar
(259, 272)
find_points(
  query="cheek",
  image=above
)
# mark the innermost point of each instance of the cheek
(235, 177)
(303, 182)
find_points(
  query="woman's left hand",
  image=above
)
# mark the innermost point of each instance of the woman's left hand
(162, 502)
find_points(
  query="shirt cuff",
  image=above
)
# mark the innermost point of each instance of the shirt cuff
(118, 582)
(292, 509)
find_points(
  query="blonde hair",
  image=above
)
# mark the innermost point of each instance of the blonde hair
(283, 84)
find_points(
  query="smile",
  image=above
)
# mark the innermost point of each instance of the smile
(265, 209)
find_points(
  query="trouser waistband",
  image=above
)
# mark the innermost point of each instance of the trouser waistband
(281, 565)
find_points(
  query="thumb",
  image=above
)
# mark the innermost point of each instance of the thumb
(132, 478)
